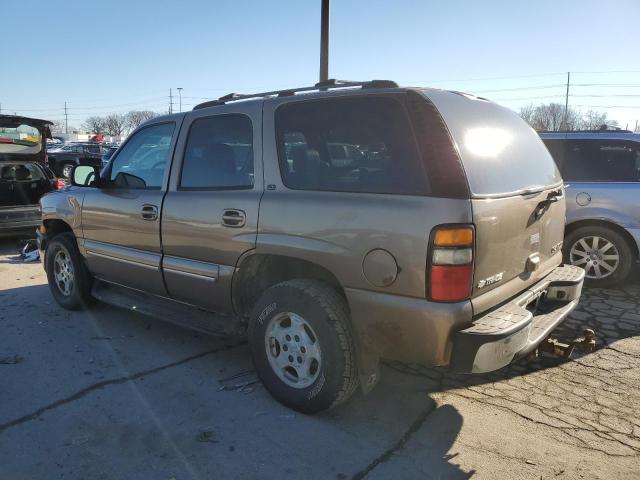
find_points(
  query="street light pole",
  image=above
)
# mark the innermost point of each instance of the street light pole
(324, 41)
(180, 97)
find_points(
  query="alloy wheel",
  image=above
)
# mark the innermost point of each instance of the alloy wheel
(598, 256)
(63, 272)
(293, 350)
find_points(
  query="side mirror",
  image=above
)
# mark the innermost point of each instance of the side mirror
(85, 176)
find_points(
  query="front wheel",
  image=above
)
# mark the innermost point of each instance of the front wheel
(69, 280)
(603, 253)
(302, 346)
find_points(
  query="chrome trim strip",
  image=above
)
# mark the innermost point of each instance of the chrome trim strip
(122, 260)
(192, 268)
(128, 255)
(191, 275)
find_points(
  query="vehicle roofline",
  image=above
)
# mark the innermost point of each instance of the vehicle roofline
(320, 94)
(591, 136)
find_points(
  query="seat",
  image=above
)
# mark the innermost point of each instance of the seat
(22, 173)
(8, 172)
(219, 168)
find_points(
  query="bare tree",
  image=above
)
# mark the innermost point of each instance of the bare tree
(136, 117)
(552, 117)
(115, 124)
(593, 120)
(527, 113)
(58, 126)
(95, 125)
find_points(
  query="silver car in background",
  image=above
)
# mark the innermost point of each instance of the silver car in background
(602, 172)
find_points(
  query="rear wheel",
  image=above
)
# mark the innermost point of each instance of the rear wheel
(68, 277)
(603, 253)
(302, 346)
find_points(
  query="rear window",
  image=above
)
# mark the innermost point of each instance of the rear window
(597, 160)
(501, 154)
(360, 145)
(23, 139)
(20, 172)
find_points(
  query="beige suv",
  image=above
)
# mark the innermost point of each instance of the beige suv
(334, 226)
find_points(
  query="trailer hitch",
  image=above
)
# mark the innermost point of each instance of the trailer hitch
(553, 346)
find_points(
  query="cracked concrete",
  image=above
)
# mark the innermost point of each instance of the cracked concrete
(111, 394)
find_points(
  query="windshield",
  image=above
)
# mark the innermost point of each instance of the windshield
(23, 139)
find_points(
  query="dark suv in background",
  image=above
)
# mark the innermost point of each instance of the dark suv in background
(602, 171)
(68, 156)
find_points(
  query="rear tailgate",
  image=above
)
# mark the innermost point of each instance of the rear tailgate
(516, 195)
(518, 240)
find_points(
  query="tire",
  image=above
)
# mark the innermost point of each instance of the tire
(333, 377)
(598, 262)
(73, 290)
(63, 170)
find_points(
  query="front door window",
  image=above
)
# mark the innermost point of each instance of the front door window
(142, 161)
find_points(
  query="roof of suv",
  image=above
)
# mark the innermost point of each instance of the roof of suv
(593, 135)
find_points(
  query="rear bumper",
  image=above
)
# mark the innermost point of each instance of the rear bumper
(18, 219)
(515, 329)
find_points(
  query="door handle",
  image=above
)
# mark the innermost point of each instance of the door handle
(149, 212)
(234, 218)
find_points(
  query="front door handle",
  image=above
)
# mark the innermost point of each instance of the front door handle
(149, 212)
(234, 218)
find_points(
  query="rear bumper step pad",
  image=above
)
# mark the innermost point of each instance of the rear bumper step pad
(515, 329)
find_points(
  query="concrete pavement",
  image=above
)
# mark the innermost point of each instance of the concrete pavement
(109, 393)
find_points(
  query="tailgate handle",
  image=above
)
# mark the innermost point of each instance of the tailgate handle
(553, 197)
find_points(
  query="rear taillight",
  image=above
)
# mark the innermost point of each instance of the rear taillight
(450, 264)
(60, 184)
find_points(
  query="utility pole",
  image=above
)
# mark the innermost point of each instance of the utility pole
(566, 101)
(170, 101)
(180, 95)
(324, 41)
(66, 119)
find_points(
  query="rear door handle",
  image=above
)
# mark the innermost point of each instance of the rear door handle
(234, 218)
(149, 212)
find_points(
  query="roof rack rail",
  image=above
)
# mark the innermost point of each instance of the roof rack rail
(324, 85)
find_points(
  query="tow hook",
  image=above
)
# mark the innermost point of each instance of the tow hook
(553, 346)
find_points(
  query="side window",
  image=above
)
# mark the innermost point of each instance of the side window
(360, 144)
(602, 161)
(219, 154)
(78, 149)
(142, 161)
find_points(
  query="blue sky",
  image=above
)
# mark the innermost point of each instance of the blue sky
(122, 55)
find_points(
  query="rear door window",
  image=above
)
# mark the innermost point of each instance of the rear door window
(219, 154)
(601, 161)
(361, 145)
